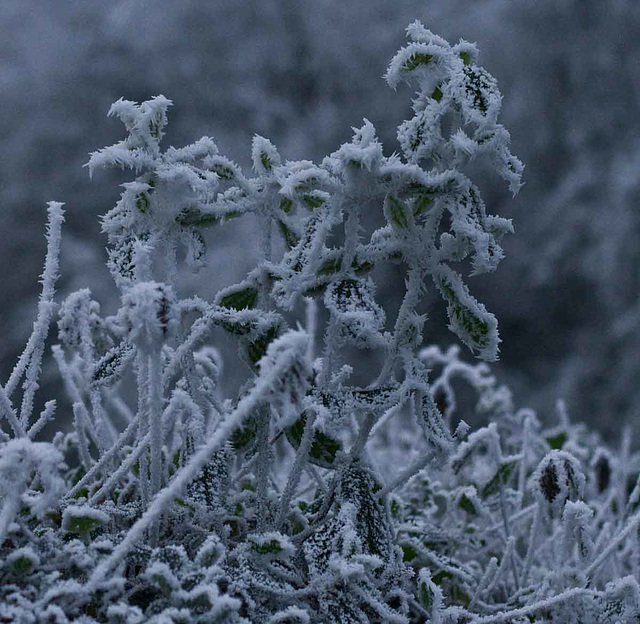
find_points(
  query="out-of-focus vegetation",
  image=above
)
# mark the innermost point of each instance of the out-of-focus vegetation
(300, 74)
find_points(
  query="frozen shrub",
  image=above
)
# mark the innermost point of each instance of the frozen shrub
(324, 490)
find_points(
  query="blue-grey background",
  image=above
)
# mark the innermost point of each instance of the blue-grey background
(302, 73)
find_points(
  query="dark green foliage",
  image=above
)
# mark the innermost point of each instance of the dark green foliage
(324, 448)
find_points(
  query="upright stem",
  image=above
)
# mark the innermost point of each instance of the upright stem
(185, 475)
(409, 302)
(6, 409)
(264, 451)
(296, 469)
(143, 412)
(155, 419)
(535, 528)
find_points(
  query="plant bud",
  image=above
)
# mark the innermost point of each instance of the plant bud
(557, 479)
(150, 314)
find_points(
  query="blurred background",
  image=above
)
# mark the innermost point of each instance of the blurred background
(302, 73)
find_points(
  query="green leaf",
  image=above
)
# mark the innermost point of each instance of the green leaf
(470, 320)
(55, 516)
(240, 299)
(556, 442)
(23, 561)
(442, 576)
(271, 547)
(82, 493)
(426, 596)
(357, 486)
(466, 504)
(258, 347)
(499, 479)
(409, 553)
(361, 267)
(82, 520)
(76, 474)
(422, 203)
(416, 60)
(324, 448)
(243, 437)
(312, 201)
(285, 205)
(290, 237)
(466, 58)
(396, 212)
(331, 265)
(195, 217)
(226, 173)
(142, 203)
(109, 368)
(266, 161)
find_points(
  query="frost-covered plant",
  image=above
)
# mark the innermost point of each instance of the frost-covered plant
(325, 491)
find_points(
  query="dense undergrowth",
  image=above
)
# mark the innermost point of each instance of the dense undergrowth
(328, 489)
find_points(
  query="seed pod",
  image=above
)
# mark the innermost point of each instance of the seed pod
(601, 465)
(557, 478)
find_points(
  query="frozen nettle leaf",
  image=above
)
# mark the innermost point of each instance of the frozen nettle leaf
(239, 297)
(500, 479)
(159, 575)
(259, 342)
(192, 216)
(324, 448)
(23, 561)
(244, 436)
(468, 501)
(290, 237)
(109, 369)
(360, 319)
(358, 487)
(196, 254)
(264, 155)
(273, 545)
(557, 479)
(576, 518)
(469, 319)
(83, 519)
(430, 419)
(211, 551)
(398, 213)
(429, 593)
(226, 169)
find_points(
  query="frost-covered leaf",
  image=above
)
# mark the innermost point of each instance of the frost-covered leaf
(324, 448)
(22, 561)
(82, 519)
(238, 297)
(469, 319)
(359, 318)
(557, 479)
(500, 479)
(264, 155)
(109, 369)
(358, 486)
